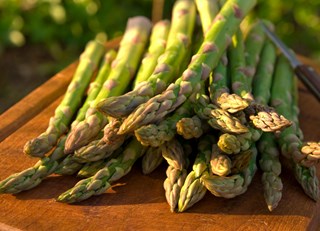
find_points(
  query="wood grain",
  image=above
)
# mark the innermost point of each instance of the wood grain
(137, 202)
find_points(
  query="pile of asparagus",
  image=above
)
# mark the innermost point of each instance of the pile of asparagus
(203, 76)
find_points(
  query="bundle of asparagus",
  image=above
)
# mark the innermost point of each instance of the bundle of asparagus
(210, 120)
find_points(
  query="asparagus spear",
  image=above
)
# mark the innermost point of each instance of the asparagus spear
(156, 134)
(254, 43)
(271, 167)
(68, 166)
(158, 41)
(190, 127)
(263, 117)
(225, 122)
(173, 153)
(216, 41)
(306, 176)
(311, 148)
(218, 81)
(99, 149)
(269, 158)
(295, 109)
(262, 80)
(231, 103)
(241, 161)
(102, 180)
(102, 148)
(236, 58)
(207, 9)
(96, 86)
(123, 69)
(179, 39)
(59, 123)
(193, 190)
(234, 185)
(281, 99)
(91, 168)
(172, 185)
(217, 118)
(234, 143)
(176, 172)
(31, 177)
(151, 159)
(220, 163)
(96, 150)
(56, 161)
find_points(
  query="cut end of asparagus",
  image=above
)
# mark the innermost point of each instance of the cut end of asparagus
(266, 118)
(232, 103)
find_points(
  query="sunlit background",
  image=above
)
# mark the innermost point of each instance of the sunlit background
(40, 37)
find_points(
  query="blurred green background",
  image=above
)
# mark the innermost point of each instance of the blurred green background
(38, 38)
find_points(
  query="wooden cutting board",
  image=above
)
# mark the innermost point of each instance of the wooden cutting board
(137, 202)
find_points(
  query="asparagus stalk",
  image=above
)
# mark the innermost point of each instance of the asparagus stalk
(56, 161)
(254, 43)
(271, 167)
(234, 185)
(306, 176)
(102, 148)
(68, 166)
(172, 185)
(91, 168)
(123, 69)
(295, 109)
(190, 127)
(158, 41)
(207, 10)
(173, 153)
(99, 149)
(102, 180)
(220, 163)
(219, 90)
(218, 81)
(176, 172)
(151, 159)
(281, 99)
(269, 158)
(33, 176)
(234, 143)
(215, 42)
(59, 123)
(225, 122)
(240, 85)
(95, 86)
(262, 80)
(179, 39)
(217, 118)
(193, 190)
(311, 148)
(241, 161)
(156, 134)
